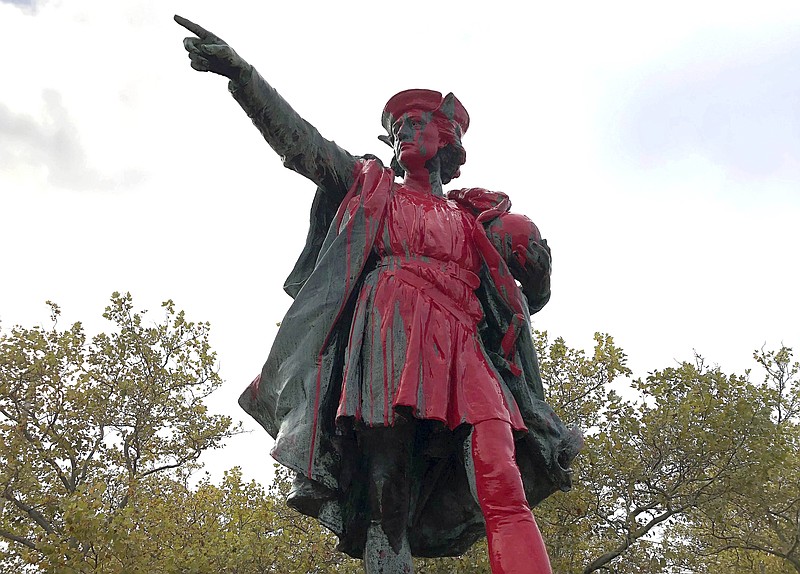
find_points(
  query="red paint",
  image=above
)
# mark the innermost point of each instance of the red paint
(371, 367)
(420, 123)
(425, 100)
(515, 543)
(439, 245)
(424, 298)
(489, 206)
(254, 386)
(374, 180)
(416, 138)
(386, 406)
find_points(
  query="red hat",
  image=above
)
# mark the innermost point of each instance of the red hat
(424, 101)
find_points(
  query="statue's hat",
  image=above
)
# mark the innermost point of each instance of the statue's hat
(424, 101)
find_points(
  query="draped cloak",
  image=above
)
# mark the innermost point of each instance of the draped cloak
(296, 396)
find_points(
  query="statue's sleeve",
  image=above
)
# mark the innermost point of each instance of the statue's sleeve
(297, 142)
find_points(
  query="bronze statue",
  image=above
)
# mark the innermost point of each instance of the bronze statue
(403, 387)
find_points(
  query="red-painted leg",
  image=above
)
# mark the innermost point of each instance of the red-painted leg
(515, 543)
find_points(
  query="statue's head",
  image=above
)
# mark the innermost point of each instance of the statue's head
(423, 125)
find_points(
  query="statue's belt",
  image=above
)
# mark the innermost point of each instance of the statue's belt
(407, 270)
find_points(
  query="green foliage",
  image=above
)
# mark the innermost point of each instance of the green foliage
(698, 471)
(759, 518)
(579, 388)
(90, 425)
(235, 527)
(688, 469)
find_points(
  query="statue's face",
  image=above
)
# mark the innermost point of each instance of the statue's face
(416, 139)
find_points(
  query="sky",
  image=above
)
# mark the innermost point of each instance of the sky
(656, 145)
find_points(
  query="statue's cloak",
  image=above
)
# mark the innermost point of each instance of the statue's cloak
(296, 396)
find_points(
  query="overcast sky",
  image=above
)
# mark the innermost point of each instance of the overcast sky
(658, 150)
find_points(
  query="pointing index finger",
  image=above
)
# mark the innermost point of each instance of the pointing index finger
(195, 29)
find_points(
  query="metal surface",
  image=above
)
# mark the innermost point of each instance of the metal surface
(403, 387)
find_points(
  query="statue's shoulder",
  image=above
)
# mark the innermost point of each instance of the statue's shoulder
(369, 163)
(368, 157)
(478, 200)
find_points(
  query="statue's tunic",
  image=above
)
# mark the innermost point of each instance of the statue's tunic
(299, 393)
(414, 344)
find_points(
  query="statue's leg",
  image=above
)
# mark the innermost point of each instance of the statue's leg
(515, 543)
(381, 558)
(387, 452)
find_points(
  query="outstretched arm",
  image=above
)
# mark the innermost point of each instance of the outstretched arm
(299, 144)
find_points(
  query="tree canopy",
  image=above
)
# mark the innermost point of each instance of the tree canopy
(94, 427)
(688, 469)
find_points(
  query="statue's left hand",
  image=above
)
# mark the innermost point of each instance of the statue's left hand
(210, 53)
(531, 267)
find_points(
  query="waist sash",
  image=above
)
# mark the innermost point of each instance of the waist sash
(406, 270)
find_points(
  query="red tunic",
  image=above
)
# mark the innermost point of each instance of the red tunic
(414, 336)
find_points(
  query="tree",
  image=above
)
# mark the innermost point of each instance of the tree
(234, 527)
(688, 470)
(579, 387)
(91, 425)
(685, 444)
(695, 472)
(760, 519)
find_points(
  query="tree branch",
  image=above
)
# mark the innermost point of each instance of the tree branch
(18, 539)
(37, 516)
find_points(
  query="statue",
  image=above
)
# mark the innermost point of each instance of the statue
(403, 387)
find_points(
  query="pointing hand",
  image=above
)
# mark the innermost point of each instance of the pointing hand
(210, 53)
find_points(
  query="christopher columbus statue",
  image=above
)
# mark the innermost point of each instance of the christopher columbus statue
(403, 387)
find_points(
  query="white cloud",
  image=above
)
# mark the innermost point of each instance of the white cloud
(49, 146)
(738, 109)
(26, 6)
